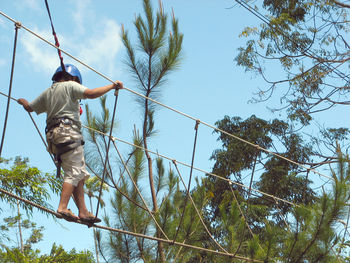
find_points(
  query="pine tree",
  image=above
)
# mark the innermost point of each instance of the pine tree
(158, 55)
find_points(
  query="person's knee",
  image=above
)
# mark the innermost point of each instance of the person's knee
(71, 181)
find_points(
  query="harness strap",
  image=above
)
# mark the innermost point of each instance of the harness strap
(67, 146)
(57, 121)
(64, 148)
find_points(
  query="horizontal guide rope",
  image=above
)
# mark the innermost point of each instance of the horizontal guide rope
(168, 107)
(170, 242)
(187, 165)
(111, 138)
(194, 168)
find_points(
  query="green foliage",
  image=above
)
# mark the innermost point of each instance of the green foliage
(92, 189)
(262, 228)
(130, 213)
(312, 234)
(57, 255)
(276, 176)
(150, 60)
(296, 10)
(315, 235)
(14, 255)
(28, 182)
(310, 237)
(191, 231)
(129, 216)
(96, 142)
(159, 53)
(10, 232)
(302, 54)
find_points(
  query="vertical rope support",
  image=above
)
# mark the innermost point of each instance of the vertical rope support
(57, 43)
(125, 232)
(164, 105)
(251, 178)
(282, 216)
(138, 191)
(41, 136)
(17, 26)
(195, 168)
(346, 225)
(116, 187)
(198, 213)
(189, 181)
(107, 150)
(241, 211)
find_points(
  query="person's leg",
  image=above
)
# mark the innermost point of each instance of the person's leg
(56, 136)
(67, 190)
(73, 165)
(84, 214)
(80, 200)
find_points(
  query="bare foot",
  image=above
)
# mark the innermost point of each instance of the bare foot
(67, 214)
(84, 214)
(89, 217)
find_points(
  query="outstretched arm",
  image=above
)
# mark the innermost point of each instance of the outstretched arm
(25, 104)
(98, 92)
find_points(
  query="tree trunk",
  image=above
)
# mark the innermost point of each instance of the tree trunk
(150, 175)
(20, 228)
(149, 159)
(94, 231)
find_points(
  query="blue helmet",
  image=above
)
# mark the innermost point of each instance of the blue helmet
(70, 69)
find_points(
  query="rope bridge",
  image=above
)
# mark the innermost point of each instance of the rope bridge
(113, 140)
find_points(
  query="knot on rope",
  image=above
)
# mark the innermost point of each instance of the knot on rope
(116, 92)
(18, 25)
(117, 88)
(197, 124)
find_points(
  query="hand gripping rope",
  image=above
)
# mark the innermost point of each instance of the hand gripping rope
(211, 126)
(207, 173)
(173, 109)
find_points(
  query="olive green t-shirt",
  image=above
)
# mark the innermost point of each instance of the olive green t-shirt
(60, 100)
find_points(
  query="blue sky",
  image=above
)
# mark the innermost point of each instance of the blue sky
(208, 84)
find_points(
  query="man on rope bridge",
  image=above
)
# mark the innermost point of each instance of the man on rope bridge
(63, 134)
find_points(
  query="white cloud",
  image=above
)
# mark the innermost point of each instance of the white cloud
(102, 47)
(98, 46)
(80, 13)
(2, 62)
(2, 22)
(32, 4)
(43, 56)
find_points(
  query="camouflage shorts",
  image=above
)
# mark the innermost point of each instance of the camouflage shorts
(73, 162)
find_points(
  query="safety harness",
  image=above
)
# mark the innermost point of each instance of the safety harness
(62, 148)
